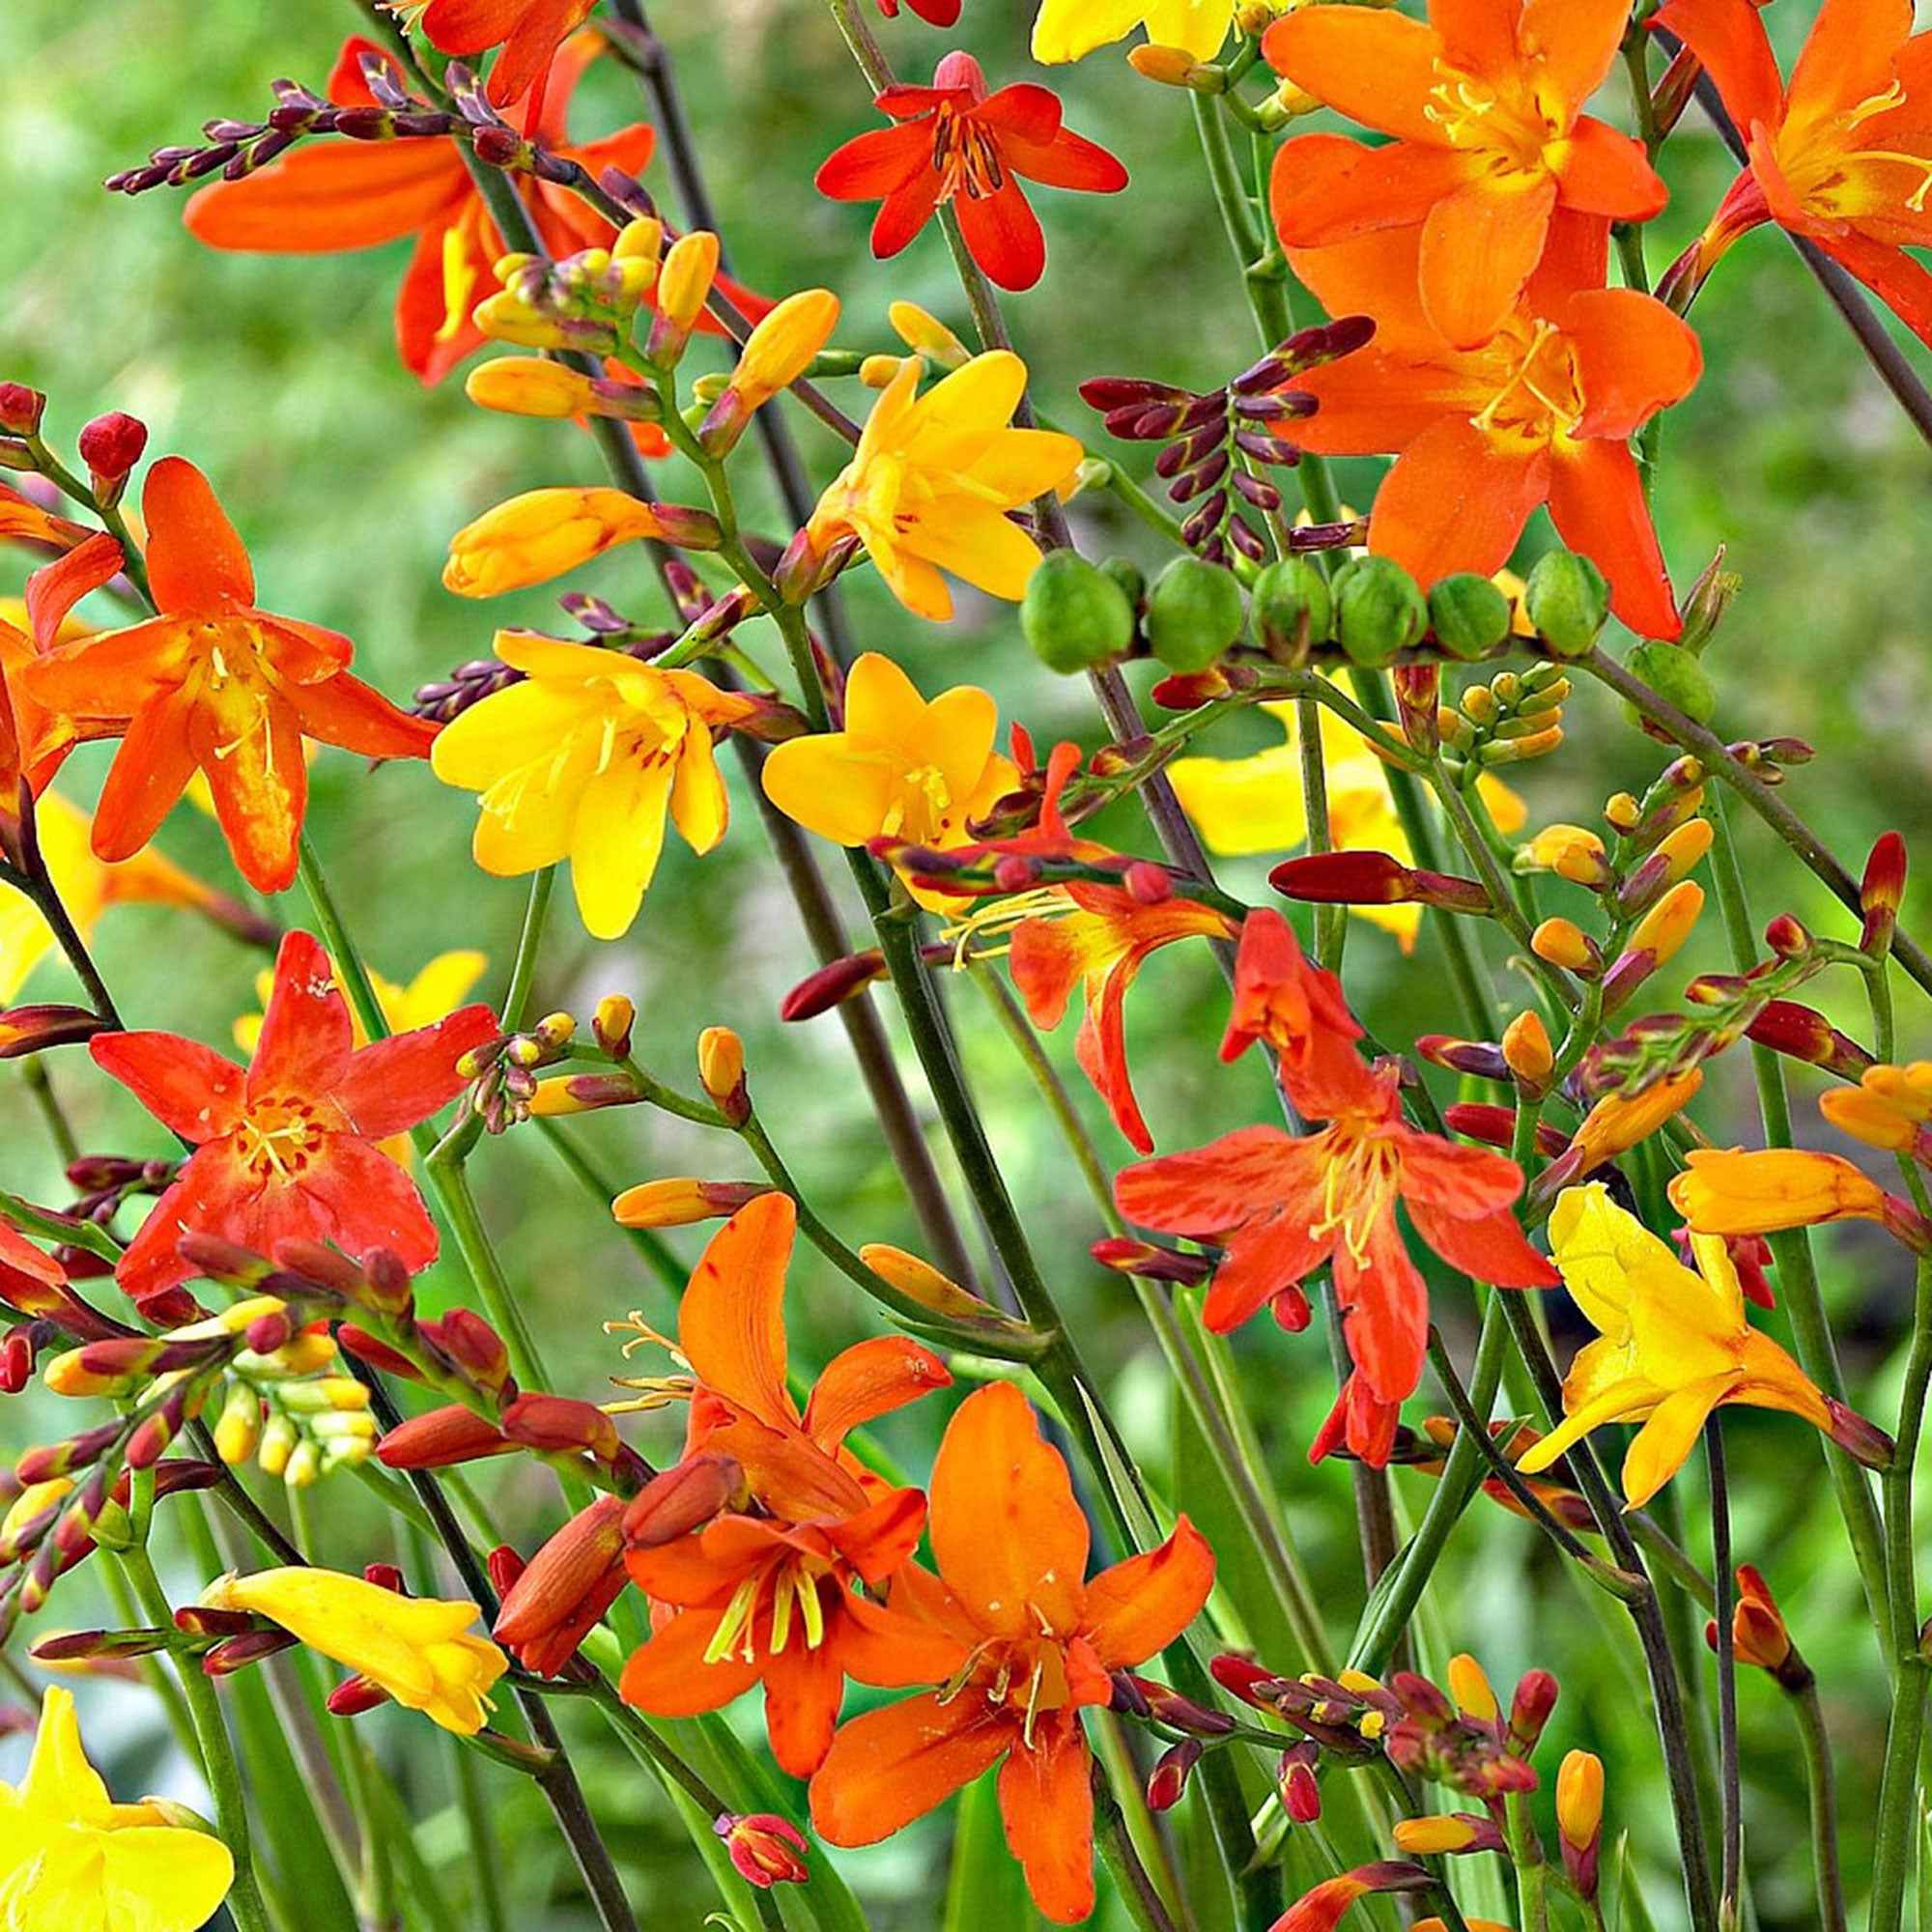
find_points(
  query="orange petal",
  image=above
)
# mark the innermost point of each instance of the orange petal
(150, 772)
(804, 1688)
(196, 563)
(1456, 500)
(895, 1649)
(878, 1540)
(189, 1088)
(1597, 503)
(1728, 37)
(342, 710)
(1139, 1607)
(1375, 67)
(730, 1326)
(1847, 57)
(892, 1765)
(1633, 358)
(1009, 1539)
(56, 588)
(1569, 46)
(1373, 274)
(669, 1677)
(1902, 284)
(1386, 1304)
(1478, 247)
(1478, 35)
(256, 774)
(1604, 172)
(345, 194)
(869, 1380)
(1047, 1804)
(1210, 1189)
(1325, 189)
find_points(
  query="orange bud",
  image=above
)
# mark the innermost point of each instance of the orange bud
(440, 1438)
(1526, 1049)
(721, 1072)
(1562, 942)
(681, 1500)
(1471, 1689)
(678, 1202)
(560, 1424)
(566, 1589)
(1739, 1193)
(526, 386)
(920, 1282)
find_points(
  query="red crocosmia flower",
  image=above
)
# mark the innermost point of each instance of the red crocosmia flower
(33, 1283)
(1299, 1010)
(934, 12)
(956, 143)
(333, 195)
(1543, 413)
(1841, 156)
(287, 1149)
(217, 685)
(1098, 937)
(528, 31)
(1020, 1643)
(1281, 1205)
(1486, 102)
(769, 1598)
(1360, 1422)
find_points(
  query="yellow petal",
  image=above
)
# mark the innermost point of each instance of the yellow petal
(1241, 805)
(830, 787)
(162, 1878)
(1669, 1437)
(617, 844)
(60, 1782)
(1596, 1248)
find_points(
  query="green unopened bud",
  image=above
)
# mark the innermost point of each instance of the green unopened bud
(1709, 599)
(1074, 615)
(1193, 614)
(1294, 609)
(1568, 600)
(1378, 611)
(1676, 676)
(1468, 615)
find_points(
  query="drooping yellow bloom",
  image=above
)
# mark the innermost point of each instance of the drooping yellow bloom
(541, 534)
(1736, 1191)
(1887, 1108)
(1674, 1345)
(418, 1649)
(87, 886)
(73, 1860)
(901, 768)
(929, 486)
(583, 761)
(1245, 806)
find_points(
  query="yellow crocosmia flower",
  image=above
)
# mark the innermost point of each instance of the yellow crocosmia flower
(73, 1860)
(87, 886)
(902, 768)
(929, 486)
(541, 534)
(1887, 1108)
(1066, 30)
(583, 761)
(418, 1649)
(1674, 1342)
(1618, 1122)
(1734, 1191)
(1246, 806)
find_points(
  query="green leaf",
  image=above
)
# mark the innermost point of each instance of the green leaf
(1632, 1913)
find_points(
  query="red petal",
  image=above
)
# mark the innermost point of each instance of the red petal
(306, 1038)
(358, 1198)
(1488, 1247)
(1003, 234)
(1068, 161)
(1893, 275)
(212, 1196)
(1596, 501)
(1022, 112)
(1385, 1311)
(1211, 1189)
(869, 166)
(342, 710)
(150, 772)
(804, 1688)
(1454, 501)
(387, 1087)
(189, 1088)
(56, 588)
(906, 209)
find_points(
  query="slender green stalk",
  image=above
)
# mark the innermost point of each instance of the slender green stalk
(1137, 1892)
(1727, 1667)
(245, 1905)
(1821, 1788)
(529, 941)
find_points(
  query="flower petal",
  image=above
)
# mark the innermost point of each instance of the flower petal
(1597, 503)
(1139, 1607)
(730, 1325)
(1478, 249)
(1375, 67)
(189, 1088)
(890, 1766)
(1047, 1804)
(1456, 499)
(196, 561)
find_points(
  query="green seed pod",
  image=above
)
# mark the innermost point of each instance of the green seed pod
(1292, 609)
(1468, 615)
(1193, 614)
(1676, 676)
(1378, 611)
(1129, 576)
(1074, 615)
(1566, 598)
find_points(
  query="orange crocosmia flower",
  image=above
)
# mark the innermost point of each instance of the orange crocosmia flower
(1020, 1644)
(336, 195)
(1098, 937)
(1299, 1010)
(215, 684)
(954, 144)
(769, 1598)
(1283, 1204)
(528, 31)
(1543, 413)
(1842, 156)
(1486, 102)
(286, 1149)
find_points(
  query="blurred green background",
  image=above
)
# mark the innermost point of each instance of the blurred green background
(278, 376)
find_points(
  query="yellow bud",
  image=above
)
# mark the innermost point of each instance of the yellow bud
(1526, 1048)
(721, 1064)
(1358, 1680)
(539, 535)
(240, 1428)
(1170, 66)
(556, 1030)
(66, 1376)
(231, 1321)
(506, 265)
(640, 240)
(1579, 1799)
(686, 278)
(1562, 942)
(1425, 1838)
(459, 281)
(1622, 812)
(32, 1501)
(553, 1100)
(1686, 847)
(1618, 1122)
(507, 318)
(1470, 1687)
(876, 372)
(1572, 852)
(523, 385)
(920, 1282)
(1667, 924)
(1292, 102)
(928, 336)
(780, 350)
(680, 1202)
(303, 1467)
(611, 1023)
(278, 1444)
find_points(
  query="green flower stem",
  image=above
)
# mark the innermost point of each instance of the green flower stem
(1728, 1666)
(1527, 1862)
(1821, 1787)
(1331, 921)
(48, 903)
(529, 943)
(218, 1756)
(1137, 1889)
(1796, 1271)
